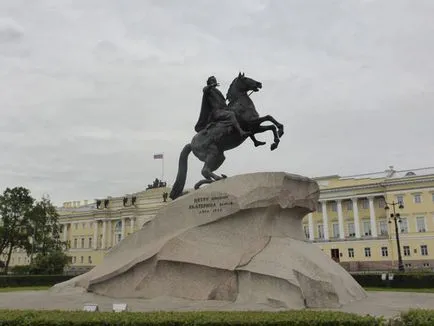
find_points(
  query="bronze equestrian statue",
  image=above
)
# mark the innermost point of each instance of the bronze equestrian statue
(222, 127)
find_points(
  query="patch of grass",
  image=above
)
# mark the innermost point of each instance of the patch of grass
(24, 288)
(398, 290)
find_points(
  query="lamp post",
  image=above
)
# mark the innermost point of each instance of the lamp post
(396, 217)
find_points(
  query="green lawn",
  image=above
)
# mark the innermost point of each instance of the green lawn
(24, 288)
(400, 290)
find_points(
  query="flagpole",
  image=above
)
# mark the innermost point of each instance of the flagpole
(162, 169)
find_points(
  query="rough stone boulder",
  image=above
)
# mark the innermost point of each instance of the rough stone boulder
(238, 240)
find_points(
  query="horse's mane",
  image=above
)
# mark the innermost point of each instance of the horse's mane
(231, 94)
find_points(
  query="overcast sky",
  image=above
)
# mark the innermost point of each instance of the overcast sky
(91, 89)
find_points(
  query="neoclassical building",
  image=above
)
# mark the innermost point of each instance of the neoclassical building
(353, 226)
(351, 223)
(92, 229)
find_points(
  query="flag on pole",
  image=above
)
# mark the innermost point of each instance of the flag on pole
(158, 156)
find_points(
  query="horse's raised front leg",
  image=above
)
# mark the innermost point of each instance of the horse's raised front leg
(257, 142)
(270, 118)
(273, 128)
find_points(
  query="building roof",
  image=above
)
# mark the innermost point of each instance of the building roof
(391, 173)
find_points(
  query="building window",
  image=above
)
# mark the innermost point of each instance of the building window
(406, 250)
(334, 206)
(83, 225)
(404, 225)
(400, 199)
(320, 229)
(381, 203)
(319, 207)
(424, 250)
(432, 196)
(76, 226)
(118, 231)
(74, 260)
(384, 252)
(75, 243)
(306, 230)
(367, 227)
(417, 199)
(89, 260)
(349, 205)
(383, 227)
(82, 242)
(365, 203)
(335, 230)
(420, 224)
(351, 252)
(351, 231)
(81, 259)
(367, 252)
(90, 242)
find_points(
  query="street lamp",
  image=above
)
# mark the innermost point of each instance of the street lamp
(397, 218)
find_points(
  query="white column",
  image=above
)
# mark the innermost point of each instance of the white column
(104, 235)
(95, 235)
(65, 232)
(311, 233)
(372, 215)
(325, 220)
(109, 233)
(356, 217)
(132, 221)
(341, 220)
(123, 228)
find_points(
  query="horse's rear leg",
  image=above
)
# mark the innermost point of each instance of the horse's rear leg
(213, 161)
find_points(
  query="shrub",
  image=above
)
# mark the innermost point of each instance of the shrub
(80, 318)
(409, 280)
(20, 270)
(31, 280)
(416, 317)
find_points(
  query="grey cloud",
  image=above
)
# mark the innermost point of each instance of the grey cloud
(92, 89)
(10, 31)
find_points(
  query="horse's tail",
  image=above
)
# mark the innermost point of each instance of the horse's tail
(179, 184)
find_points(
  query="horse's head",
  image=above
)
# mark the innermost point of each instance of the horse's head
(241, 85)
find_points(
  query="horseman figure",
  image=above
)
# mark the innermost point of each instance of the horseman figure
(220, 128)
(215, 109)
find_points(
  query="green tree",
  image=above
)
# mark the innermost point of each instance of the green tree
(44, 228)
(15, 206)
(53, 262)
(45, 241)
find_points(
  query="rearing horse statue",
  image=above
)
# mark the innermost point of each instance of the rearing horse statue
(210, 143)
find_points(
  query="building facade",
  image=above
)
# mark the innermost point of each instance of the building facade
(353, 226)
(92, 227)
(351, 223)
(92, 230)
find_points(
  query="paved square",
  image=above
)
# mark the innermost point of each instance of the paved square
(387, 304)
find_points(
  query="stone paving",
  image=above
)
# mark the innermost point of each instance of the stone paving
(387, 304)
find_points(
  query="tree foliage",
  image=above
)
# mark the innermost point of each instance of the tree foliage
(32, 226)
(15, 206)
